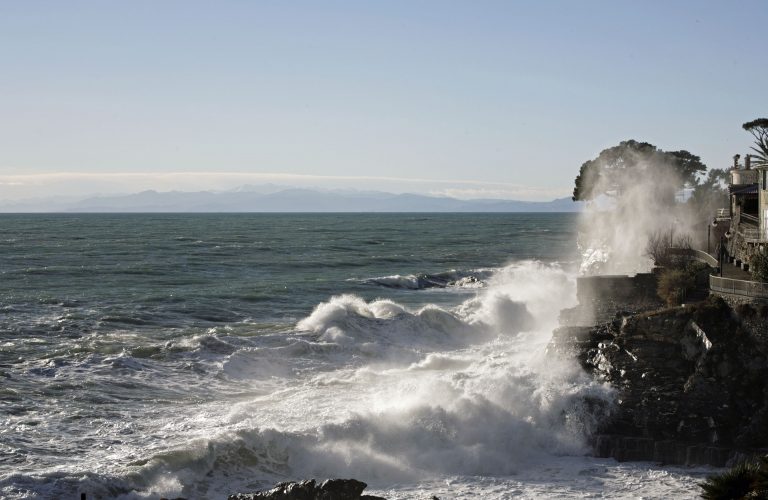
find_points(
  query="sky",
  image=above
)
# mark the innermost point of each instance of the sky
(501, 99)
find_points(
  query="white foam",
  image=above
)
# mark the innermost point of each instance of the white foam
(465, 394)
(397, 281)
(414, 401)
(379, 326)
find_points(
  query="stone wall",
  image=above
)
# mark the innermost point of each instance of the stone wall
(618, 288)
(739, 249)
(626, 449)
(735, 300)
(601, 297)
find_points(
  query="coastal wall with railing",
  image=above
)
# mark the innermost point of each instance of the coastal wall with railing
(729, 288)
(747, 289)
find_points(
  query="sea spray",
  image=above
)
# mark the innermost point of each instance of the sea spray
(405, 395)
(634, 192)
(214, 389)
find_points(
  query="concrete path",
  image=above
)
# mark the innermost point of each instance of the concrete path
(735, 273)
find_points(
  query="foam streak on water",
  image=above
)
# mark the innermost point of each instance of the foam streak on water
(192, 388)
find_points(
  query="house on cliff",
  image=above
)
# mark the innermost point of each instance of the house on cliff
(748, 211)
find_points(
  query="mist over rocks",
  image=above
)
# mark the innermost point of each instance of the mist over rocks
(631, 192)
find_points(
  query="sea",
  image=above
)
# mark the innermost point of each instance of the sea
(199, 355)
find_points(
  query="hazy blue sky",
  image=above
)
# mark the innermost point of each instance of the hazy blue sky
(497, 98)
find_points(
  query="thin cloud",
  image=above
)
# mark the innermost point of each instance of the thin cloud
(259, 176)
(517, 193)
(26, 185)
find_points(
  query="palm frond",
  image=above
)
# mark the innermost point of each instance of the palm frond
(735, 483)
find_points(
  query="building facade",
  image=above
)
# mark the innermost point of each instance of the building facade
(748, 211)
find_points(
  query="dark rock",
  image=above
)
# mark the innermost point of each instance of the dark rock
(330, 489)
(690, 382)
(341, 489)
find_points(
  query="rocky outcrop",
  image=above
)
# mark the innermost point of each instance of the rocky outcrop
(691, 383)
(330, 489)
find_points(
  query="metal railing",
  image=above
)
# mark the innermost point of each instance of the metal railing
(753, 289)
(723, 213)
(699, 255)
(750, 219)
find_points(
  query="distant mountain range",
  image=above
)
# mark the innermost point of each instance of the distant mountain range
(276, 199)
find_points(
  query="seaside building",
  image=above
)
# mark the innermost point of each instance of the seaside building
(748, 211)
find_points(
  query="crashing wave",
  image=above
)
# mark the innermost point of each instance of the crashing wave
(448, 279)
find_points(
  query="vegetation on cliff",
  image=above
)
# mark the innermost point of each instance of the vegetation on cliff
(660, 245)
(759, 130)
(758, 266)
(619, 165)
(710, 193)
(679, 276)
(675, 284)
(745, 480)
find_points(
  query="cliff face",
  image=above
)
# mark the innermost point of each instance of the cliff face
(691, 383)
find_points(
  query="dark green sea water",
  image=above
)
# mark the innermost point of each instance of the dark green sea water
(149, 355)
(149, 271)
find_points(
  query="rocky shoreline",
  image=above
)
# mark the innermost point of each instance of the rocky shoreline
(690, 380)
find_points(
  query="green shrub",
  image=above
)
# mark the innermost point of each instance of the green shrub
(745, 480)
(758, 265)
(763, 311)
(699, 272)
(745, 310)
(661, 242)
(674, 284)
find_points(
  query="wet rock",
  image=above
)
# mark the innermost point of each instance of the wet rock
(690, 383)
(330, 489)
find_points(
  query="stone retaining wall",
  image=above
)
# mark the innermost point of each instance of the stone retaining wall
(600, 297)
(736, 300)
(618, 288)
(638, 449)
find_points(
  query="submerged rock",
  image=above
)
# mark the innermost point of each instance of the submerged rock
(330, 489)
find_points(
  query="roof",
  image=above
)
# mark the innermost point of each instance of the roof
(738, 189)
